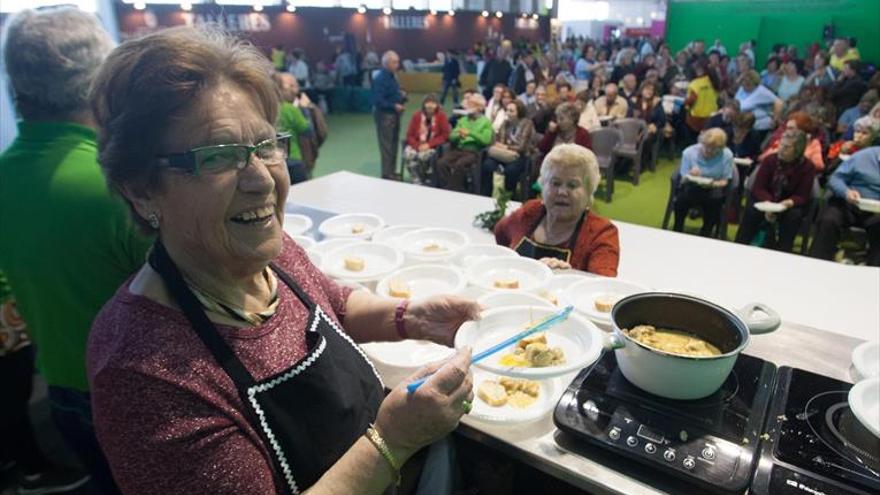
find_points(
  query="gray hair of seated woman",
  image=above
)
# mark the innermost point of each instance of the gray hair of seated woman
(572, 156)
(51, 57)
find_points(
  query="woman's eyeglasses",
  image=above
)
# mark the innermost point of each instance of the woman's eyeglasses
(223, 157)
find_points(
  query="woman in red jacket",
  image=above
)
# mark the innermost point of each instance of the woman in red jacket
(564, 129)
(428, 129)
(560, 229)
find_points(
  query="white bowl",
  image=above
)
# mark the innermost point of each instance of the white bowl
(511, 298)
(531, 274)
(304, 242)
(396, 361)
(342, 225)
(379, 260)
(296, 224)
(424, 281)
(561, 281)
(475, 253)
(551, 391)
(864, 400)
(869, 205)
(770, 207)
(450, 240)
(328, 245)
(389, 235)
(866, 360)
(580, 340)
(582, 295)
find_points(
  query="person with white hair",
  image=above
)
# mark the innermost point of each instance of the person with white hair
(471, 135)
(709, 159)
(560, 229)
(70, 242)
(388, 100)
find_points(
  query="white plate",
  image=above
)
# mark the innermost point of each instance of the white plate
(296, 224)
(389, 235)
(864, 400)
(698, 180)
(315, 257)
(450, 240)
(512, 298)
(561, 281)
(396, 361)
(531, 274)
(844, 157)
(582, 295)
(770, 207)
(342, 225)
(379, 260)
(580, 340)
(424, 281)
(866, 360)
(551, 391)
(743, 161)
(475, 253)
(328, 245)
(304, 242)
(869, 205)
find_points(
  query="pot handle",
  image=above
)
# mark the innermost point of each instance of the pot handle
(760, 325)
(613, 341)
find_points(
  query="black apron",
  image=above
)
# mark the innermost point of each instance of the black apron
(532, 249)
(308, 415)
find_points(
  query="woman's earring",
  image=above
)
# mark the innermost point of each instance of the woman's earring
(153, 219)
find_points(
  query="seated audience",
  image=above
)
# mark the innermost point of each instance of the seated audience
(723, 119)
(746, 141)
(611, 104)
(785, 177)
(822, 75)
(564, 93)
(629, 89)
(494, 105)
(539, 102)
(507, 97)
(648, 108)
(459, 110)
(849, 87)
(866, 130)
(756, 98)
(771, 76)
(791, 81)
(427, 130)
(802, 121)
(841, 53)
(850, 115)
(511, 151)
(856, 178)
(560, 229)
(564, 130)
(528, 97)
(709, 158)
(470, 136)
(588, 119)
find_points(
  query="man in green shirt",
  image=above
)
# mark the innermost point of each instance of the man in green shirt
(68, 243)
(292, 120)
(470, 136)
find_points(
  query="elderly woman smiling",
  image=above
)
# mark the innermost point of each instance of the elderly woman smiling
(559, 229)
(228, 363)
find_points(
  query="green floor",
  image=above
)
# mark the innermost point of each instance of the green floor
(352, 146)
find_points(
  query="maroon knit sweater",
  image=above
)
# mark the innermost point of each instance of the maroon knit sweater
(166, 415)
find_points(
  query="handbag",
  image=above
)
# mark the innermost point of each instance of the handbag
(502, 154)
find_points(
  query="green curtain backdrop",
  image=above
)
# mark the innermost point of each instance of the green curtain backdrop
(797, 22)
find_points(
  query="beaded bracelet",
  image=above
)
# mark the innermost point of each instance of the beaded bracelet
(383, 449)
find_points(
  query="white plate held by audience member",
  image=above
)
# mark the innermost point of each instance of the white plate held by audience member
(359, 225)
(512, 298)
(505, 274)
(432, 244)
(474, 253)
(844, 157)
(770, 207)
(295, 224)
(700, 181)
(304, 242)
(743, 161)
(864, 401)
(869, 205)
(396, 361)
(549, 393)
(378, 260)
(866, 360)
(423, 281)
(389, 235)
(580, 340)
(583, 295)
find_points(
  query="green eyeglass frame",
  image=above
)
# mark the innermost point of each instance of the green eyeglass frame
(223, 157)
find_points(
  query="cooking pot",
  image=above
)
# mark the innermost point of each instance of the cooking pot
(675, 376)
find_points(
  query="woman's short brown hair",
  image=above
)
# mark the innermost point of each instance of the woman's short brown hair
(145, 83)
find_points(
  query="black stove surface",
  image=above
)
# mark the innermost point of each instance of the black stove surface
(711, 442)
(818, 446)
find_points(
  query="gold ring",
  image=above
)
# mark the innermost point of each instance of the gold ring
(467, 406)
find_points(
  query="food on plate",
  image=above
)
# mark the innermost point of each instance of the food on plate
(354, 263)
(358, 228)
(672, 341)
(513, 391)
(533, 352)
(399, 288)
(492, 393)
(434, 248)
(506, 283)
(605, 302)
(550, 297)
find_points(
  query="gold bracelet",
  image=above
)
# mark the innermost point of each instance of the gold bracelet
(379, 442)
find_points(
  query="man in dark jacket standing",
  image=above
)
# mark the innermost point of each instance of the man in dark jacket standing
(388, 102)
(497, 71)
(451, 73)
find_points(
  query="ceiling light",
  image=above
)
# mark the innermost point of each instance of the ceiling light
(451, 12)
(485, 13)
(498, 14)
(535, 16)
(386, 10)
(433, 12)
(186, 6)
(291, 8)
(362, 9)
(140, 6)
(258, 7)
